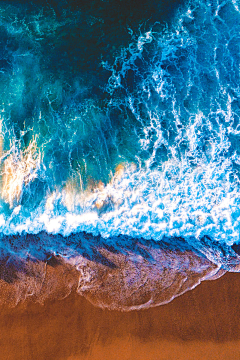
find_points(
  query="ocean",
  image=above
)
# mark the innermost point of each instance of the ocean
(119, 146)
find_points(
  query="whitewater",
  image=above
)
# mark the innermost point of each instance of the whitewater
(148, 152)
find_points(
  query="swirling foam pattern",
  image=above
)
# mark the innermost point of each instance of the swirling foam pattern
(147, 148)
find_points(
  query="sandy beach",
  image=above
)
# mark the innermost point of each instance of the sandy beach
(120, 180)
(201, 324)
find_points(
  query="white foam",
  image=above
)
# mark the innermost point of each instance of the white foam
(176, 198)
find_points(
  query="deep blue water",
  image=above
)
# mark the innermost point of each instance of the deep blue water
(121, 121)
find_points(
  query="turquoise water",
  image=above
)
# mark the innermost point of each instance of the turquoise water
(120, 122)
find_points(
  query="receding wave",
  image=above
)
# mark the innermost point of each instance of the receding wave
(122, 184)
(121, 273)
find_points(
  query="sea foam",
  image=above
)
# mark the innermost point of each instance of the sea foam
(156, 157)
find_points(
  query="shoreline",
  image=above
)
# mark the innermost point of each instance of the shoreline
(202, 321)
(124, 274)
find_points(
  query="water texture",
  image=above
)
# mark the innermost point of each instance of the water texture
(120, 145)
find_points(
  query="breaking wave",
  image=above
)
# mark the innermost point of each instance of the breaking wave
(129, 162)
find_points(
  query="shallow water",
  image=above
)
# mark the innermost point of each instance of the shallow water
(122, 124)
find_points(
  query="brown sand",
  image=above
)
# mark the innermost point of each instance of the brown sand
(113, 280)
(201, 324)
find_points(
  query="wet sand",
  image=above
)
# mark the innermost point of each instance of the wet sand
(201, 324)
